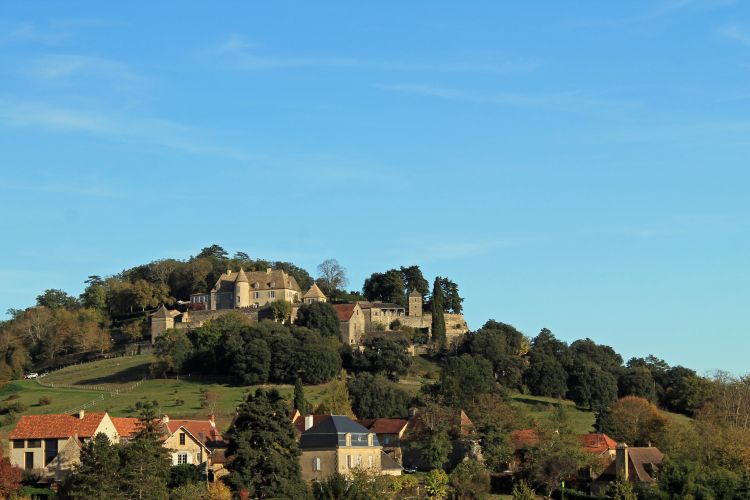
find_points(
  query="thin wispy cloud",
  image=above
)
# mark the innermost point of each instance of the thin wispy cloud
(123, 128)
(658, 11)
(563, 101)
(55, 32)
(241, 55)
(736, 33)
(67, 66)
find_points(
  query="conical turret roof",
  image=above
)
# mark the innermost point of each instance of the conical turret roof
(241, 277)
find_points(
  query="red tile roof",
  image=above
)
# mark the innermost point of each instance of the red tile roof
(344, 311)
(524, 438)
(126, 427)
(202, 430)
(597, 443)
(56, 426)
(383, 425)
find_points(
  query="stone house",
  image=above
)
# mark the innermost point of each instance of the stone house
(338, 444)
(236, 290)
(352, 322)
(314, 294)
(631, 464)
(389, 431)
(50, 445)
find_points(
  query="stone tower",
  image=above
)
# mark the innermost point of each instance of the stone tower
(161, 321)
(314, 294)
(241, 290)
(415, 304)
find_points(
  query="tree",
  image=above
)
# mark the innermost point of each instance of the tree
(257, 362)
(619, 490)
(591, 387)
(214, 251)
(465, 378)
(335, 399)
(145, 461)
(470, 479)
(637, 381)
(414, 280)
(382, 354)
(438, 319)
(182, 474)
(316, 361)
(320, 316)
(98, 474)
(503, 346)
(10, 477)
(546, 376)
(57, 299)
(332, 276)
(373, 396)
(436, 484)
(635, 421)
(522, 491)
(299, 396)
(263, 456)
(385, 287)
(281, 310)
(556, 458)
(172, 350)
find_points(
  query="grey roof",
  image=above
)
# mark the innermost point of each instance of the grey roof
(330, 433)
(241, 277)
(387, 463)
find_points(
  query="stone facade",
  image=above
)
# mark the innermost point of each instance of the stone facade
(241, 289)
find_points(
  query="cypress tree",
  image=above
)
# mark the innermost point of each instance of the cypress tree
(263, 453)
(98, 474)
(438, 318)
(145, 461)
(299, 396)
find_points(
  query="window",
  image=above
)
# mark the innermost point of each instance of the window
(369, 461)
(18, 443)
(256, 295)
(316, 464)
(182, 458)
(34, 443)
(272, 294)
(359, 460)
(50, 450)
(182, 438)
(28, 462)
(349, 461)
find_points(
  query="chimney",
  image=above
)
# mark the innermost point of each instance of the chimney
(165, 419)
(308, 421)
(229, 271)
(212, 419)
(268, 270)
(621, 462)
(81, 414)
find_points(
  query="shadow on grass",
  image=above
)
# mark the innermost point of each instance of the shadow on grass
(132, 374)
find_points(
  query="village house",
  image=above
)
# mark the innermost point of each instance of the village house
(351, 321)
(389, 432)
(338, 444)
(631, 464)
(50, 445)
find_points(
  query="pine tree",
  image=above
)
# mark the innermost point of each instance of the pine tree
(299, 396)
(145, 461)
(98, 475)
(263, 453)
(438, 318)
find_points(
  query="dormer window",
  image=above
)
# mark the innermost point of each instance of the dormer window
(255, 285)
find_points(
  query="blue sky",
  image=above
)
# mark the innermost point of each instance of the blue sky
(577, 166)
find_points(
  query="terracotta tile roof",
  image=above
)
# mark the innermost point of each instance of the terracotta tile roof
(126, 427)
(344, 311)
(524, 438)
(203, 430)
(383, 425)
(56, 426)
(597, 443)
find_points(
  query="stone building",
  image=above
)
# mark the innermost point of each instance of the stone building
(352, 321)
(236, 290)
(314, 294)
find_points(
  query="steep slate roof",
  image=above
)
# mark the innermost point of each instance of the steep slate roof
(299, 422)
(387, 463)
(314, 292)
(56, 426)
(383, 425)
(241, 277)
(279, 278)
(126, 427)
(325, 435)
(202, 430)
(163, 312)
(344, 311)
(597, 443)
(639, 461)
